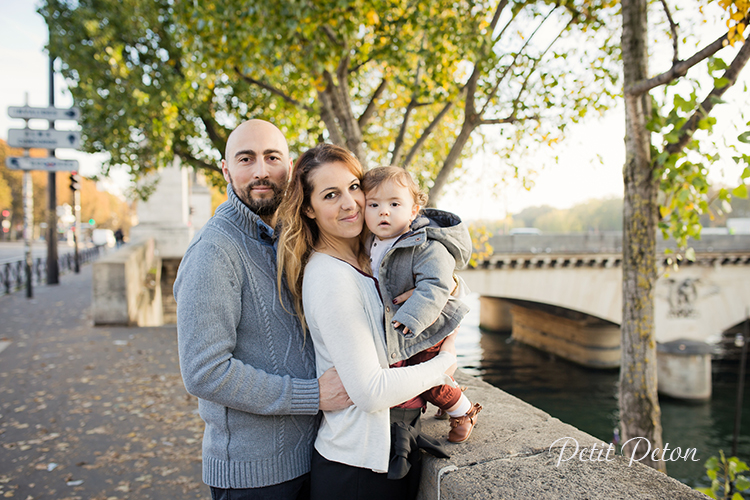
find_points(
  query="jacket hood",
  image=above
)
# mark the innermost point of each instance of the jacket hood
(448, 229)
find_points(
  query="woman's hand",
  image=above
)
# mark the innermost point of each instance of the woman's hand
(402, 298)
(449, 345)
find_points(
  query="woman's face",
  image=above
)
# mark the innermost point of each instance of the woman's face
(336, 202)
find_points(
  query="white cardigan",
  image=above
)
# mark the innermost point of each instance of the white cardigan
(345, 316)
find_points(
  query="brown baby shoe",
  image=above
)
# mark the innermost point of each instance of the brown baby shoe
(461, 427)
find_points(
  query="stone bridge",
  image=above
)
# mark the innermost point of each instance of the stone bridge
(563, 293)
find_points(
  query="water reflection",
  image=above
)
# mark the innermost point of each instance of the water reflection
(587, 399)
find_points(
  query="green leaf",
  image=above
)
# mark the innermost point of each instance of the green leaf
(706, 491)
(690, 254)
(716, 64)
(740, 191)
(746, 173)
(744, 137)
(721, 82)
(741, 466)
(706, 123)
(742, 483)
(672, 137)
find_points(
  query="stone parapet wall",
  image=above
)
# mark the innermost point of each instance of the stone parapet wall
(608, 242)
(168, 275)
(508, 457)
(126, 287)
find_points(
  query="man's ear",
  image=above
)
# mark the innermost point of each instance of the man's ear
(225, 171)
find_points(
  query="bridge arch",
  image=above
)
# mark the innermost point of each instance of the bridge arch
(699, 301)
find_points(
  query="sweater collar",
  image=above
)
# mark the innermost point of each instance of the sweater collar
(246, 219)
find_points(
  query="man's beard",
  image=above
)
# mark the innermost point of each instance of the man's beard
(264, 206)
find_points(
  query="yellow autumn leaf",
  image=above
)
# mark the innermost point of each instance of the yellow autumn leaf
(372, 17)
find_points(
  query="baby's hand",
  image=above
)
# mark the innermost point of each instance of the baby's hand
(396, 324)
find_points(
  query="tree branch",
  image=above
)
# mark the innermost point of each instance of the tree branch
(364, 118)
(342, 108)
(272, 90)
(673, 28)
(517, 100)
(499, 121)
(399, 143)
(731, 74)
(471, 84)
(678, 70)
(191, 160)
(496, 18)
(360, 65)
(430, 128)
(495, 88)
(332, 35)
(329, 118)
(218, 139)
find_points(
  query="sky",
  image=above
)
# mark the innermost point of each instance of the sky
(589, 162)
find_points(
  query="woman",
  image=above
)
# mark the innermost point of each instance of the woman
(322, 216)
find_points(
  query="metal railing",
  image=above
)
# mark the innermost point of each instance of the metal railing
(13, 271)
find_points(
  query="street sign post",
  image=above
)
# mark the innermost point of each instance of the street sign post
(45, 164)
(29, 113)
(45, 139)
(50, 139)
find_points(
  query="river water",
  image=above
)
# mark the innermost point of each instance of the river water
(587, 398)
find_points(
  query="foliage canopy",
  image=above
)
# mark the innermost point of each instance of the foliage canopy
(418, 84)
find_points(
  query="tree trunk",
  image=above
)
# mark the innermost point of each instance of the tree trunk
(450, 161)
(640, 415)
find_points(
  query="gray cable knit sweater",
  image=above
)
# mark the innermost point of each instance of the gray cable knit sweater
(243, 355)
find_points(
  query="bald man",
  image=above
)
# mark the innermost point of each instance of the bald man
(241, 353)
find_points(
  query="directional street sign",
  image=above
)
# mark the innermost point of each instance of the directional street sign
(46, 139)
(45, 164)
(28, 113)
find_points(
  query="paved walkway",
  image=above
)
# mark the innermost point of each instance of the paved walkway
(91, 413)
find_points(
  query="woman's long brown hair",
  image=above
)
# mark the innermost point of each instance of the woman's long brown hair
(299, 233)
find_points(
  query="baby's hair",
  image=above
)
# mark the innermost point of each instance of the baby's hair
(376, 177)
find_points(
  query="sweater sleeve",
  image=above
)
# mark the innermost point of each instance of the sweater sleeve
(336, 308)
(209, 298)
(433, 271)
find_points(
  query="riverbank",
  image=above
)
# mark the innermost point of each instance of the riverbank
(587, 398)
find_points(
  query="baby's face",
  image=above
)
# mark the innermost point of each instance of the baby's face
(389, 210)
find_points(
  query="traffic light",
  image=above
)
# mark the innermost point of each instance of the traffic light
(75, 182)
(4, 223)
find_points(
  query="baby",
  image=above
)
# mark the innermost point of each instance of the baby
(409, 250)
